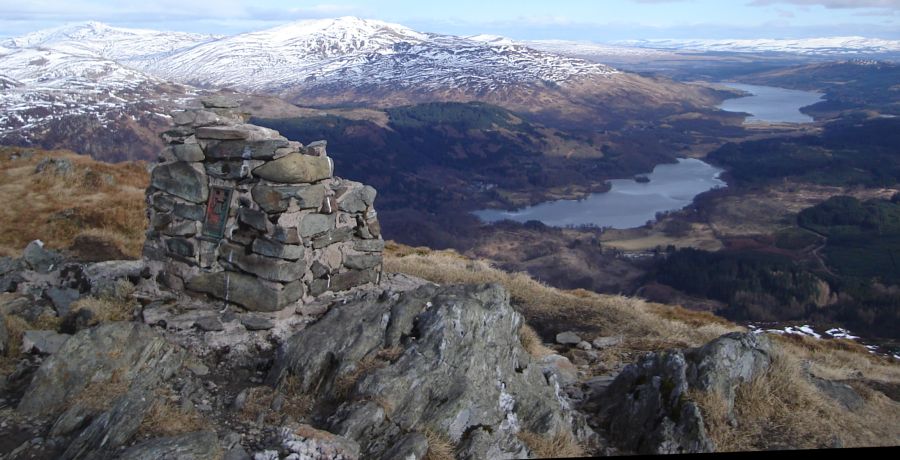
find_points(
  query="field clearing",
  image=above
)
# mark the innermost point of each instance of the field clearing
(773, 209)
(700, 236)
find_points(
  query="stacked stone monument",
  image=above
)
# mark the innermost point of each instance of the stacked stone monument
(240, 213)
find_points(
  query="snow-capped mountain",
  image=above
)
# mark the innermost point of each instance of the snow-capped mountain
(589, 49)
(87, 78)
(100, 40)
(806, 46)
(60, 87)
(360, 53)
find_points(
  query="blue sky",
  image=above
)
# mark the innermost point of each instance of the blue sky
(597, 20)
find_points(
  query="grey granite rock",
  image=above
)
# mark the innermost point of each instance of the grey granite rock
(182, 180)
(295, 168)
(568, 338)
(201, 445)
(44, 342)
(446, 371)
(248, 291)
(141, 355)
(39, 258)
(188, 152)
(62, 298)
(646, 409)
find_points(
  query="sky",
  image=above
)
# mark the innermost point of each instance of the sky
(588, 20)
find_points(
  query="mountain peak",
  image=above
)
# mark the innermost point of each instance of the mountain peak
(342, 28)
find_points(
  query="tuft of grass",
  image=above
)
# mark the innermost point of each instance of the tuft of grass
(560, 444)
(15, 330)
(439, 446)
(783, 409)
(116, 306)
(345, 383)
(260, 400)
(296, 404)
(258, 404)
(532, 343)
(99, 395)
(165, 418)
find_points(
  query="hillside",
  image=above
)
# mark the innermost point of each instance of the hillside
(818, 393)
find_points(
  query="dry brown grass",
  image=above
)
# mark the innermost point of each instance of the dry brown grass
(260, 400)
(542, 304)
(439, 447)
(782, 409)
(258, 404)
(532, 343)
(15, 330)
(839, 359)
(57, 208)
(296, 404)
(99, 395)
(345, 383)
(165, 418)
(561, 444)
(119, 306)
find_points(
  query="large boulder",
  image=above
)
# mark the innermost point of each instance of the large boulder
(130, 351)
(101, 382)
(444, 360)
(647, 410)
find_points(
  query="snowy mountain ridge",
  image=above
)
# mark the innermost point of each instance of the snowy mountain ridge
(804, 46)
(360, 53)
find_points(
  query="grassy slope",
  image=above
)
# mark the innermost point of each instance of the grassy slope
(97, 199)
(780, 410)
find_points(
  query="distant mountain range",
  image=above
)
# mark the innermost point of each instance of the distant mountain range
(825, 46)
(78, 79)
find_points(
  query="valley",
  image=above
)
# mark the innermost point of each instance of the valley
(345, 238)
(534, 132)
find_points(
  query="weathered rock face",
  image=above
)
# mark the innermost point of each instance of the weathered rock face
(646, 408)
(131, 352)
(444, 359)
(237, 204)
(127, 356)
(202, 445)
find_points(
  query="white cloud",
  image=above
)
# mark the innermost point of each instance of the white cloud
(161, 10)
(836, 4)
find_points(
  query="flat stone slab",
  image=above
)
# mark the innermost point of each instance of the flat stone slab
(46, 342)
(256, 323)
(223, 132)
(246, 290)
(270, 268)
(568, 338)
(62, 298)
(257, 150)
(181, 180)
(188, 152)
(296, 168)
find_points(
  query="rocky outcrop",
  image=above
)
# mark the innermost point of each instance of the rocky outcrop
(240, 213)
(647, 409)
(202, 445)
(98, 386)
(441, 359)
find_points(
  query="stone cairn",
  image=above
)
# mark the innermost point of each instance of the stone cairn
(240, 213)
